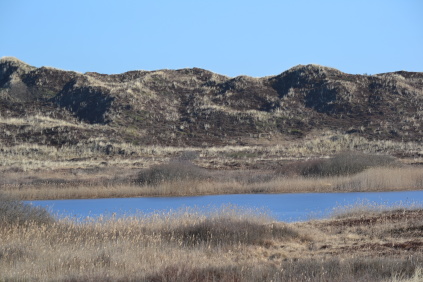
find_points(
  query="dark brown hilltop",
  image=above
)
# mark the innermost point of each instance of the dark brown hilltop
(195, 107)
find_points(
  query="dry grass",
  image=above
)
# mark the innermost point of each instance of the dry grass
(222, 245)
(132, 248)
(347, 163)
(116, 183)
(102, 151)
(99, 168)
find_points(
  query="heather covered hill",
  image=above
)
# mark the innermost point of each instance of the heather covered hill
(195, 107)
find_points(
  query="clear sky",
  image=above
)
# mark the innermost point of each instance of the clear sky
(231, 37)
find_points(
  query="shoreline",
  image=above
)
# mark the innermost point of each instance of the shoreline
(211, 194)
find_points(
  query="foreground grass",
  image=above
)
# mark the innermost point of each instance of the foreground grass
(223, 245)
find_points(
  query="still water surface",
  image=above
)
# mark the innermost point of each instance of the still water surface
(284, 207)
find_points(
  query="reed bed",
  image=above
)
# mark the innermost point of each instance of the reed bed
(225, 244)
(133, 247)
(226, 182)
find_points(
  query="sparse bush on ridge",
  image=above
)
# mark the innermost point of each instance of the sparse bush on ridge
(347, 163)
(343, 164)
(16, 212)
(178, 170)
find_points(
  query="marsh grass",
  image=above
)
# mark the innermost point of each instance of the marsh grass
(363, 208)
(217, 182)
(230, 226)
(133, 247)
(352, 269)
(335, 270)
(223, 244)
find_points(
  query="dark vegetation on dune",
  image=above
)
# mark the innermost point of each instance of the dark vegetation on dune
(195, 107)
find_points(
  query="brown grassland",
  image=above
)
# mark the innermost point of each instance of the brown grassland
(323, 164)
(253, 182)
(363, 243)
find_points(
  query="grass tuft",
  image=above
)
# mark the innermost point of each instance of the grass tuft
(230, 231)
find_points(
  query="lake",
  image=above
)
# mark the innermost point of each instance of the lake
(284, 207)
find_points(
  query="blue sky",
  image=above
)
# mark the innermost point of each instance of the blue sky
(255, 38)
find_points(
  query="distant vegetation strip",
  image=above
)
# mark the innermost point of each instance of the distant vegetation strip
(246, 182)
(347, 172)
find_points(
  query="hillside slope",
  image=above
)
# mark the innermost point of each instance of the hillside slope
(195, 107)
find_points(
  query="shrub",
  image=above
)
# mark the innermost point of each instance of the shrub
(173, 171)
(227, 225)
(228, 231)
(343, 164)
(17, 212)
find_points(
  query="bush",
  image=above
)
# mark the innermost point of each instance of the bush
(343, 164)
(16, 212)
(229, 231)
(173, 171)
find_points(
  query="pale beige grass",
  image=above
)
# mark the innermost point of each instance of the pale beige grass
(146, 247)
(128, 248)
(66, 250)
(92, 152)
(371, 180)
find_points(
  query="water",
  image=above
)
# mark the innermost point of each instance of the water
(284, 207)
